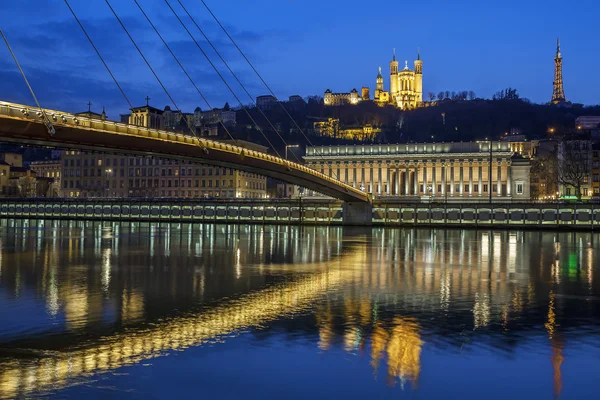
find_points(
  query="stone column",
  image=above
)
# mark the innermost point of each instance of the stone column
(470, 178)
(406, 181)
(434, 179)
(443, 192)
(508, 179)
(499, 188)
(397, 180)
(452, 184)
(416, 180)
(425, 178)
(389, 182)
(371, 184)
(462, 178)
(480, 179)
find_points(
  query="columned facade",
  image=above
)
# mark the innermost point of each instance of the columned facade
(436, 171)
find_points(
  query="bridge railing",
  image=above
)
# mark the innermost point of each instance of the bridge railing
(61, 118)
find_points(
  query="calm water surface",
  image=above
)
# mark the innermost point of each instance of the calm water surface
(139, 310)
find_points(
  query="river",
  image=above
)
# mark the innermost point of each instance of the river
(147, 310)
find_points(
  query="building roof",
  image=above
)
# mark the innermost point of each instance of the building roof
(19, 169)
(86, 113)
(147, 108)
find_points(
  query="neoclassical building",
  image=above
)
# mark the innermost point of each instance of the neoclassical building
(438, 171)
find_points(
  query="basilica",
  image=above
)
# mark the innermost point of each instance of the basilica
(405, 90)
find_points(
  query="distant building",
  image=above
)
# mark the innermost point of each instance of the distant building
(147, 116)
(365, 94)
(405, 92)
(295, 98)
(218, 115)
(50, 170)
(336, 99)
(118, 176)
(266, 102)
(596, 170)
(588, 122)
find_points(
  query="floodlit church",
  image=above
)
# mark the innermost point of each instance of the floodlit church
(405, 91)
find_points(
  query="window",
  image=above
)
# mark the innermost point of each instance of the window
(466, 188)
(568, 191)
(439, 188)
(476, 188)
(485, 188)
(596, 191)
(586, 192)
(596, 178)
(519, 188)
(457, 189)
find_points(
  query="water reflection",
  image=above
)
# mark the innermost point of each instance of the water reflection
(88, 297)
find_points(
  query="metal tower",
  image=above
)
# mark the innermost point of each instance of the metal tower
(558, 95)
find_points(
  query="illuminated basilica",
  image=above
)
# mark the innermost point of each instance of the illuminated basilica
(405, 91)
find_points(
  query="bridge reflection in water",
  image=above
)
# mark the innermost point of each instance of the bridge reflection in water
(386, 292)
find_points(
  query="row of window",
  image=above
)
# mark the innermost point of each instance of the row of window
(171, 193)
(159, 172)
(70, 184)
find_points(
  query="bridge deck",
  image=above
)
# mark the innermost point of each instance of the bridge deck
(23, 124)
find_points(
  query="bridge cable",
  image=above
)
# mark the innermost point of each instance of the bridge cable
(262, 80)
(47, 122)
(99, 55)
(233, 73)
(193, 131)
(223, 79)
(182, 68)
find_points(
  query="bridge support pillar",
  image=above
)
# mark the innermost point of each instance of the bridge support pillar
(357, 214)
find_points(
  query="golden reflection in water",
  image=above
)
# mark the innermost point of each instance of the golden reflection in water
(404, 351)
(379, 339)
(132, 308)
(551, 319)
(557, 360)
(126, 348)
(324, 318)
(481, 310)
(76, 307)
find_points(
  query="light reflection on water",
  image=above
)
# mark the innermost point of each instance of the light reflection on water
(83, 298)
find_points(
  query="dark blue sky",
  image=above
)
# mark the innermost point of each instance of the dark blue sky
(301, 47)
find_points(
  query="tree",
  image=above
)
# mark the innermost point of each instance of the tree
(431, 96)
(471, 95)
(26, 186)
(446, 94)
(454, 96)
(440, 96)
(572, 164)
(226, 107)
(506, 94)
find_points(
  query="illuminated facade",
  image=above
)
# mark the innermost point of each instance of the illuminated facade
(442, 171)
(107, 175)
(336, 99)
(406, 88)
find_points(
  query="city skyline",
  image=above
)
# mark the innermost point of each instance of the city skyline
(73, 75)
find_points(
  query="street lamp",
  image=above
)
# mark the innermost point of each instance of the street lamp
(107, 182)
(288, 146)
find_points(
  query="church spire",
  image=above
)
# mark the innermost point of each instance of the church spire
(394, 57)
(418, 53)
